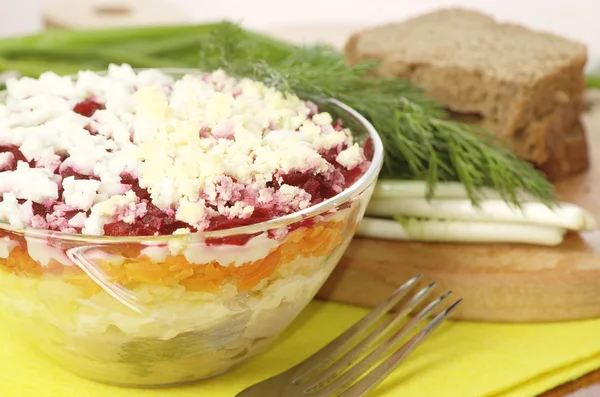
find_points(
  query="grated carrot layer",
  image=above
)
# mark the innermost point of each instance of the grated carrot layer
(319, 240)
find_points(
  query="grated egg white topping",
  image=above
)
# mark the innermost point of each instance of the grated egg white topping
(195, 144)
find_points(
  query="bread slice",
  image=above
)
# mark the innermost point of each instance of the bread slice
(506, 75)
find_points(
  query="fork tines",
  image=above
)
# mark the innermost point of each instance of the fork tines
(361, 357)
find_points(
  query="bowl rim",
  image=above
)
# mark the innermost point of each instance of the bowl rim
(349, 193)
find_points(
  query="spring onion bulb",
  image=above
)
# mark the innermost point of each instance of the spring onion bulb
(459, 231)
(564, 215)
(393, 188)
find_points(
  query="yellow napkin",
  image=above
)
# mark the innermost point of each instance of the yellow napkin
(459, 360)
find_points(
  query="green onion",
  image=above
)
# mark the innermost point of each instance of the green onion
(566, 216)
(396, 188)
(54, 39)
(458, 231)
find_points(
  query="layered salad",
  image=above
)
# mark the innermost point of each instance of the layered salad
(111, 185)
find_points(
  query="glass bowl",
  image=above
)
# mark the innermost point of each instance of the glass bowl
(164, 310)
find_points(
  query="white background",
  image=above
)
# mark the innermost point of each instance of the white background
(577, 19)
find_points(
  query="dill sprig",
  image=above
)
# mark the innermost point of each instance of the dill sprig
(420, 141)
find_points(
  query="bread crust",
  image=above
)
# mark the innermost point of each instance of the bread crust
(569, 155)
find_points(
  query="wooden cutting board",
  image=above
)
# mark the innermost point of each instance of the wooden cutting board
(499, 282)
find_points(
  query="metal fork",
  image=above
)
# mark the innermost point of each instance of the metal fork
(344, 367)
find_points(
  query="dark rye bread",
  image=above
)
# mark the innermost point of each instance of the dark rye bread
(513, 80)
